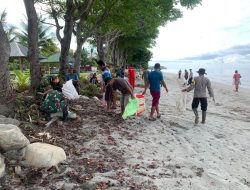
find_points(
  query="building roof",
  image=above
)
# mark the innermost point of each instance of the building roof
(55, 59)
(18, 50)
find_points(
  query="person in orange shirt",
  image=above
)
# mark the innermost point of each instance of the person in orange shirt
(236, 78)
(131, 76)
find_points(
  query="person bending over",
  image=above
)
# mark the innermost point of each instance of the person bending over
(123, 86)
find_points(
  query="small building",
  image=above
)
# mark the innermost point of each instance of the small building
(52, 63)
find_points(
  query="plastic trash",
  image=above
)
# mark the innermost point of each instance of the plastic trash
(141, 108)
(181, 104)
(131, 108)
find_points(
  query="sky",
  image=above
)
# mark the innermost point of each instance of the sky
(216, 27)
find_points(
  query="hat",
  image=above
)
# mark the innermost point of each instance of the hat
(202, 71)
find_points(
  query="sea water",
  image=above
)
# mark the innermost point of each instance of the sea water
(216, 71)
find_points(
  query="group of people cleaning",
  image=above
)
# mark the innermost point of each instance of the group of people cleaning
(53, 101)
(154, 80)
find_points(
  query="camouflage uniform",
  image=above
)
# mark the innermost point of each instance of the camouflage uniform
(53, 103)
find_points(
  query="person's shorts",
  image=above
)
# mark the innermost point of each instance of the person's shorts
(156, 97)
(203, 102)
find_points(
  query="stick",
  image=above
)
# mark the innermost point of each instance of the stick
(51, 121)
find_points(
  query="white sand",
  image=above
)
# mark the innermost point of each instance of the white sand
(172, 153)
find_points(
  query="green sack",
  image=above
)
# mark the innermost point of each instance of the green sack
(131, 108)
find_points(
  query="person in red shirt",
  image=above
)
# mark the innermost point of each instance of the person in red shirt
(131, 76)
(236, 78)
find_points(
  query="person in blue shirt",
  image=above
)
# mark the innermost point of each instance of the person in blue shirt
(106, 76)
(75, 79)
(155, 80)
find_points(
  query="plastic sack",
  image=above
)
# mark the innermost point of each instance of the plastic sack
(131, 108)
(181, 104)
(69, 90)
(141, 108)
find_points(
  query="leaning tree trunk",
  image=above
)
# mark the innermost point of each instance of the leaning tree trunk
(33, 53)
(5, 87)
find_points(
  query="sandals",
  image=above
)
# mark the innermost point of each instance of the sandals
(159, 116)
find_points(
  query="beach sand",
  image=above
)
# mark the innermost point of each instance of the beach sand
(173, 153)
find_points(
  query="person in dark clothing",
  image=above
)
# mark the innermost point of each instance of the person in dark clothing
(120, 72)
(179, 74)
(93, 79)
(190, 78)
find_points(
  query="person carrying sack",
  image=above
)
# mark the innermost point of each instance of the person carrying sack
(200, 84)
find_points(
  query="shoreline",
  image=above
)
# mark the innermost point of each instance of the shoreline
(166, 73)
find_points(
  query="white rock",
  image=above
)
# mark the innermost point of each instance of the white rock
(2, 166)
(84, 97)
(95, 98)
(11, 137)
(5, 120)
(44, 155)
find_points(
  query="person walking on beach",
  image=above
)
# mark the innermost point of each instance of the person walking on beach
(200, 84)
(236, 78)
(179, 74)
(145, 76)
(155, 79)
(185, 77)
(190, 78)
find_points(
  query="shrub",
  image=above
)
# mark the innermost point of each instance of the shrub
(21, 81)
(91, 90)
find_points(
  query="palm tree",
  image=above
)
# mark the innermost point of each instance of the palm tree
(46, 44)
(9, 29)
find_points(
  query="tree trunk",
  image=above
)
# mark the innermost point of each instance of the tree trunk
(66, 40)
(33, 52)
(77, 56)
(100, 47)
(119, 57)
(5, 87)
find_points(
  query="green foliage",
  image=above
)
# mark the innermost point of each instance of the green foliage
(21, 81)
(46, 43)
(91, 90)
(24, 110)
(139, 57)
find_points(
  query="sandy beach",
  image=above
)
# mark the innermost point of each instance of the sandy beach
(105, 152)
(172, 153)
